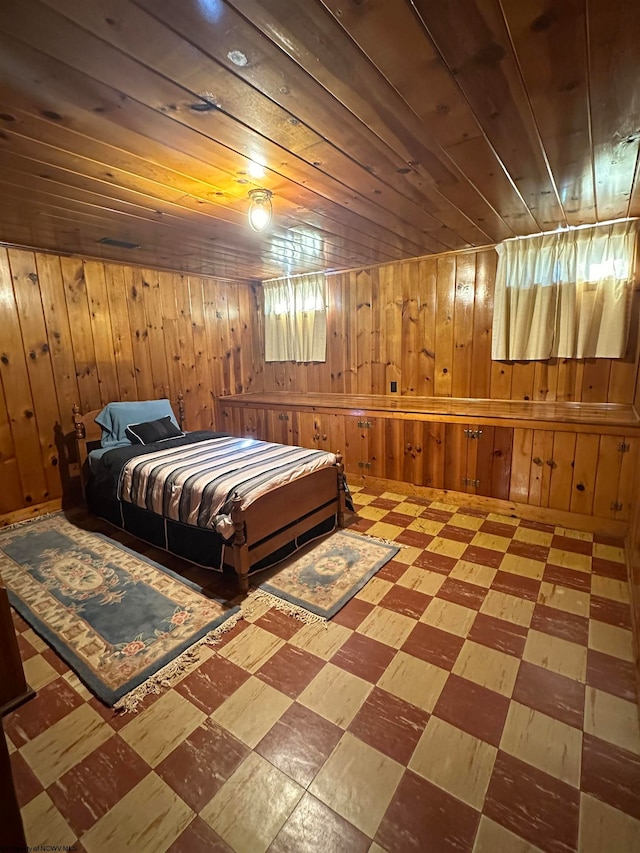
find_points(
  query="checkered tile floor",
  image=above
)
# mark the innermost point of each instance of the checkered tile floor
(478, 694)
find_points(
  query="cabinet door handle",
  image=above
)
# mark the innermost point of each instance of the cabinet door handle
(324, 437)
(408, 447)
(551, 463)
(418, 449)
(537, 461)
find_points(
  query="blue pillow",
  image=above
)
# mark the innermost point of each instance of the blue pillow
(116, 417)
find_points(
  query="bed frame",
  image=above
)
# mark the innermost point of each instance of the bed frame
(270, 522)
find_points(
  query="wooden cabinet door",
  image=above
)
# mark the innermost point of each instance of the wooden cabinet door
(314, 430)
(434, 454)
(279, 426)
(322, 424)
(414, 452)
(251, 421)
(260, 431)
(424, 452)
(614, 482)
(336, 432)
(521, 453)
(394, 445)
(478, 459)
(376, 445)
(223, 421)
(541, 468)
(627, 481)
(455, 456)
(357, 429)
(489, 461)
(585, 473)
(306, 429)
(559, 468)
(247, 420)
(585, 463)
(230, 420)
(322, 431)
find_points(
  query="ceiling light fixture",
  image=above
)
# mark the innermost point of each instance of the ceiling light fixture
(260, 209)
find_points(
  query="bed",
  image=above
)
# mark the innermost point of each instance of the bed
(271, 506)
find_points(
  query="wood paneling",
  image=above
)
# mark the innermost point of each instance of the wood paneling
(18, 399)
(387, 130)
(91, 332)
(426, 324)
(445, 303)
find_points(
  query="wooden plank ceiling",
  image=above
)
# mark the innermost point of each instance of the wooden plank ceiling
(386, 128)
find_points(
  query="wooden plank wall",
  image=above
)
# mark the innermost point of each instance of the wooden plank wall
(92, 332)
(426, 324)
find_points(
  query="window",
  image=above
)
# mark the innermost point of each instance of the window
(295, 318)
(566, 294)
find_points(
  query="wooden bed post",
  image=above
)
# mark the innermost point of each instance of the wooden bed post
(341, 497)
(240, 548)
(78, 425)
(80, 431)
(181, 415)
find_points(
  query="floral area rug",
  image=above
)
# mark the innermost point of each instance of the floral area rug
(124, 624)
(316, 584)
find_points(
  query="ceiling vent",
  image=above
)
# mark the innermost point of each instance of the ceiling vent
(121, 244)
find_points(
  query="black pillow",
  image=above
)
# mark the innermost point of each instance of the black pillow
(152, 431)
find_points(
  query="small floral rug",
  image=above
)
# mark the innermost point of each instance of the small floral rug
(124, 624)
(319, 582)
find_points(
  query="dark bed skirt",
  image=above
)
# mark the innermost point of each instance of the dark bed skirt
(202, 547)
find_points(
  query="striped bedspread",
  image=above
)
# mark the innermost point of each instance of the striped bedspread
(195, 483)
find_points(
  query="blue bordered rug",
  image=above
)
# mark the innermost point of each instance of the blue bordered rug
(319, 582)
(123, 623)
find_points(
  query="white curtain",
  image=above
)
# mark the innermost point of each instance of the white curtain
(565, 294)
(295, 318)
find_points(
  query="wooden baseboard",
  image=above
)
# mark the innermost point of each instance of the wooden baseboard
(588, 523)
(30, 512)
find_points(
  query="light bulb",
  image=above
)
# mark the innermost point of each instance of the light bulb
(260, 209)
